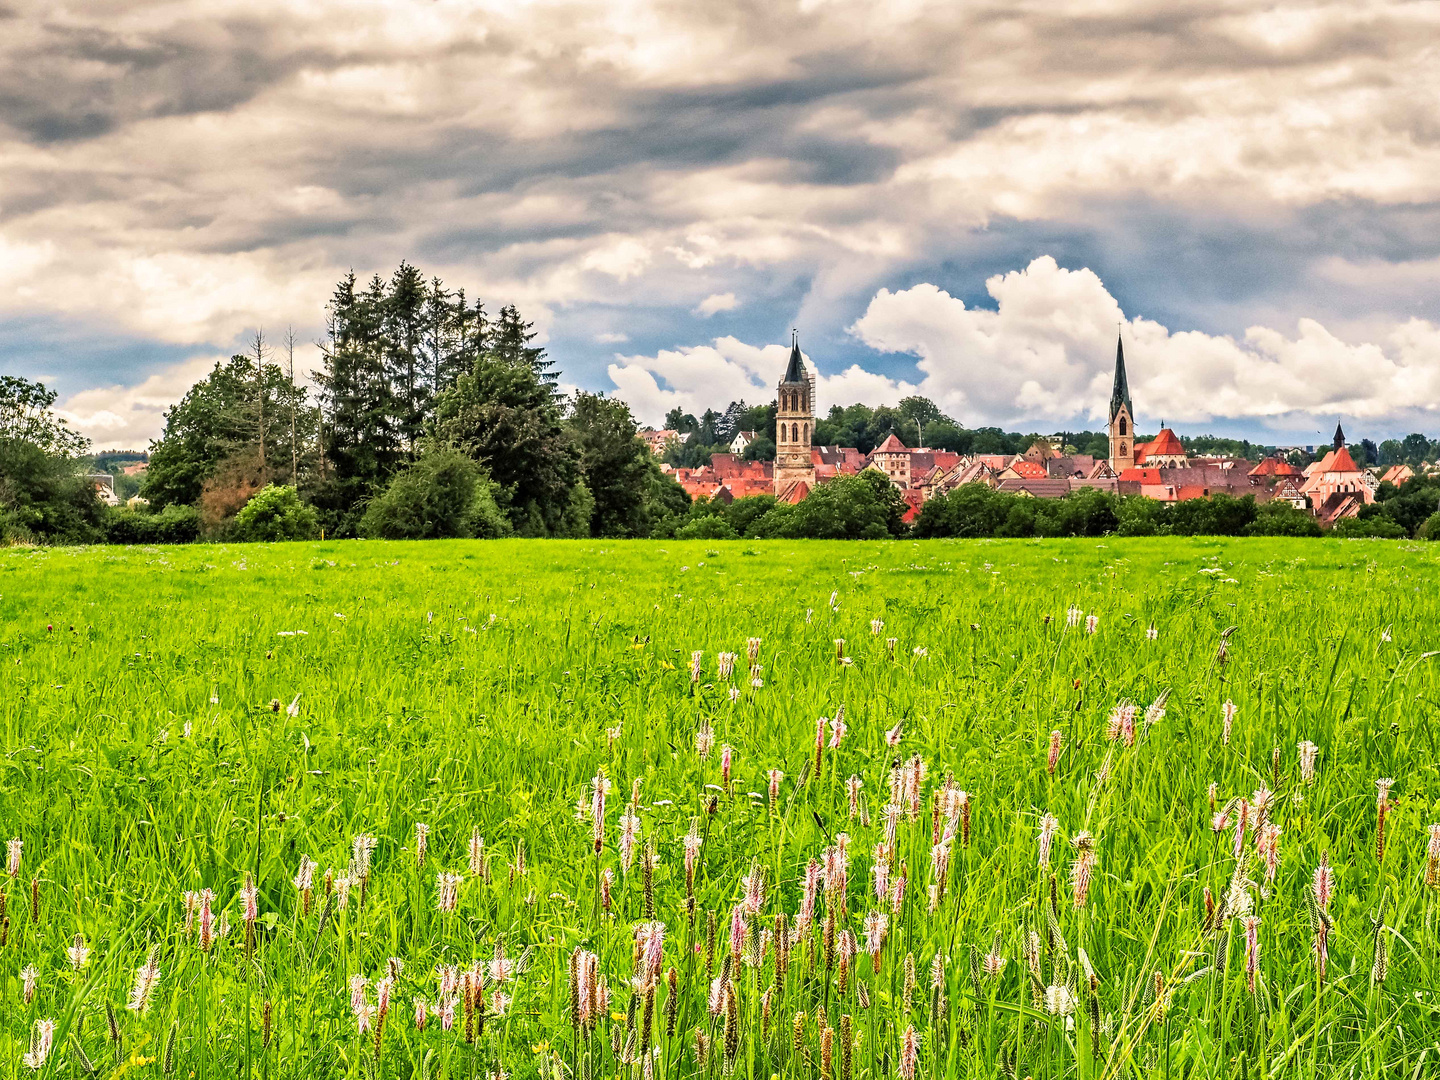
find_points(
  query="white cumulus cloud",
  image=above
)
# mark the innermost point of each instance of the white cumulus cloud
(1045, 355)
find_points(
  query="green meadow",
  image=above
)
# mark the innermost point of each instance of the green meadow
(188, 730)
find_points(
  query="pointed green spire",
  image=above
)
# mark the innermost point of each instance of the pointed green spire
(1120, 395)
(1339, 437)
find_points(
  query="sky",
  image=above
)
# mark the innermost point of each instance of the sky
(963, 200)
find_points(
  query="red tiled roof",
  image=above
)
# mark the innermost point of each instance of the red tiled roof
(1191, 491)
(1141, 476)
(891, 445)
(1030, 470)
(1166, 443)
(795, 492)
(1343, 462)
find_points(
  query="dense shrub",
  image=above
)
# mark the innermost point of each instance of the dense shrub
(276, 513)
(1279, 518)
(706, 527)
(444, 494)
(1377, 527)
(176, 524)
(1430, 530)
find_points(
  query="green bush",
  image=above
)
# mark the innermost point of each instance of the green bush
(276, 513)
(1381, 528)
(1279, 518)
(176, 524)
(444, 494)
(707, 527)
(1430, 529)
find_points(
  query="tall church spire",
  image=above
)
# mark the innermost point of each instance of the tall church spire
(1339, 436)
(1120, 395)
(795, 372)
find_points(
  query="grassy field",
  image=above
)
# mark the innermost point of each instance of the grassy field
(196, 720)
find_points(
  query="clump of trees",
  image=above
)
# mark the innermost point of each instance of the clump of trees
(432, 419)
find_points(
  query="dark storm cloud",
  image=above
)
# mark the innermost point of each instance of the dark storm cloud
(181, 168)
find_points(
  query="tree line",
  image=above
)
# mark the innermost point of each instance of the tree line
(431, 418)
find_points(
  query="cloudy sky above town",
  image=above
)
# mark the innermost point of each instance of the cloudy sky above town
(964, 200)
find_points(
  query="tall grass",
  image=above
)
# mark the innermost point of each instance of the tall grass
(182, 720)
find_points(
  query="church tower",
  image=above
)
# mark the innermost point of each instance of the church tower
(794, 422)
(1122, 417)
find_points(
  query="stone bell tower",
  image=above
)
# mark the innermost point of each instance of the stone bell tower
(794, 422)
(1122, 417)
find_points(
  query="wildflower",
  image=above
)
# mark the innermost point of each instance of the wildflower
(880, 870)
(852, 788)
(358, 983)
(695, 658)
(1092, 623)
(78, 952)
(1073, 615)
(30, 977)
(1432, 858)
(692, 851)
(835, 601)
(447, 1012)
(1080, 873)
(754, 883)
(629, 833)
(1059, 1001)
(1053, 757)
(1048, 826)
(775, 776)
(600, 787)
(1267, 843)
(293, 709)
(1156, 712)
(42, 1038)
(909, 1053)
(809, 888)
(607, 882)
(12, 862)
(892, 736)
(752, 648)
(876, 627)
(1227, 712)
(1121, 723)
(897, 889)
(1382, 807)
(727, 755)
(994, 962)
(920, 651)
(447, 891)
(1308, 752)
(1385, 634)
(1252, 950)
(1242, 820)
(360, 850)
(876, 926)
(1151, 633)
(305, 877)
(738, 930)
(146, 976)
(890, 644)
(207, 920)
(755, 680)
(734, 694)
(421, 1013)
